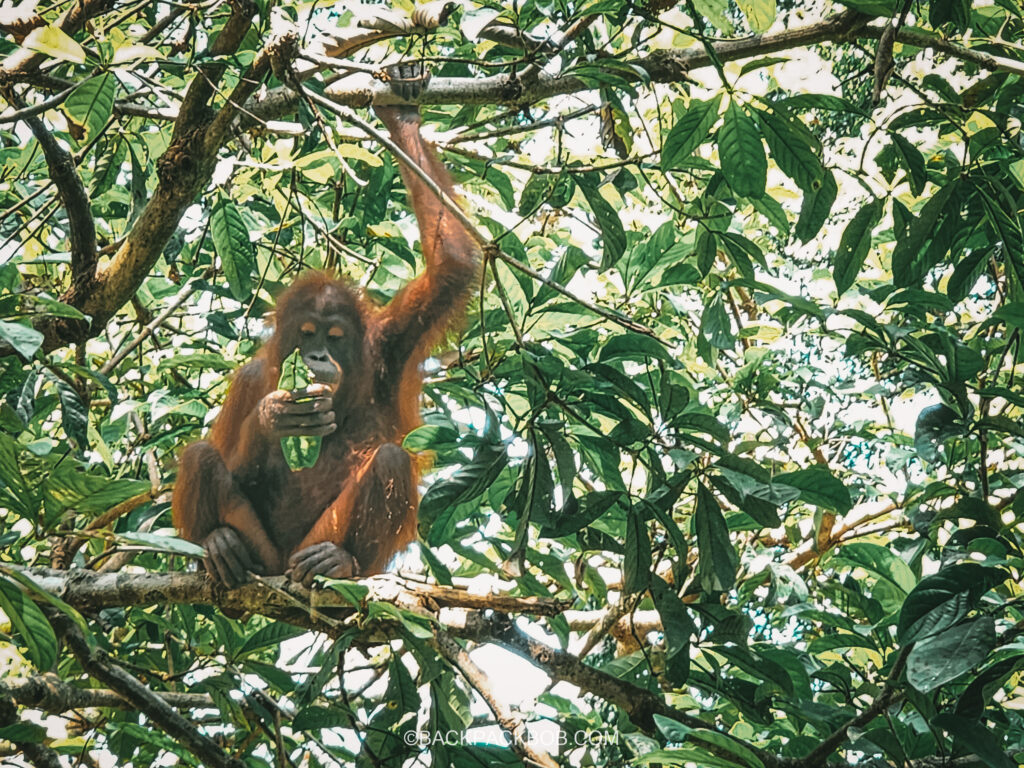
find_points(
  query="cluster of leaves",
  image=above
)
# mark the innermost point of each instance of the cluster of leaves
(767, 384)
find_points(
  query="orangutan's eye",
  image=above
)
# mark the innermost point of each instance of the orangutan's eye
(307, 329)
(336, 332)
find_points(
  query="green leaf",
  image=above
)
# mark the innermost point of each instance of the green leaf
(854, 245)
(691, 130)
(874, 7)
(791, 146)
(92, 103)
(716, 326)
(725, 747)
(612, 233)
(816, 207)
(37, 636)
(941, 600)
(879, 561)
(741, 153)
(300, 451)
(231, 240)
(69, 488)
(56, 602)
(678, 628)
(946, 656)
(161, 543)
(935, 425)
(717, 561)
(467, 484)
(315, 718)
(818, 486)
(25, 340)
(108, 166)
(973, 738)
(912, 258)
(913, 161)
(536, 191)
(634, 346)
(637, 562)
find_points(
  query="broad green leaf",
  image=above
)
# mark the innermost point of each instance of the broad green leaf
(818, 486)
(913, 161)
(268, 637)
(816, 207)
(743, 755)
(935, 425)
(92, 103)
(946, 656)
(42, 595)
(315, 718)
(37, 636)
(880, 562)
(634, 346)
(912, 258)
(300, 451)
(741, 153)
(24, 339)
(162, 543)
(717, 561)
(231, 239)
(678, 626)
(941, 600)
(854, 245)
(690, 131)
(87, 494)
(976, 739)
(637, 560)
(612, 233)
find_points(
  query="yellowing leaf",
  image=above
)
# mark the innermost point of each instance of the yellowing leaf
(54, 42)
(760, 13)
(134, 53)
(384, 229)
(356, 152)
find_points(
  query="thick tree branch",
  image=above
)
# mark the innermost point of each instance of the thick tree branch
(160, 712)
(51, 694)
(92, 591)
(640, 705)
(932, 42)
(184, 170)
(661, 66)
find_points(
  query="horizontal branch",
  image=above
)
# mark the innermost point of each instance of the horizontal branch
(274, 597)
(51, 694)
(661, 66)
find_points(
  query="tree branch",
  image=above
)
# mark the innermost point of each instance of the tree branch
(920, 39)
(274, 597)
(96, 663)
(662, 66)
(51, 694)
(81, 227)
(639, 704)
(184, 170)
(514, 725)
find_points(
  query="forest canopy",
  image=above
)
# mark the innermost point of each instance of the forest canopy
(725, 458)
